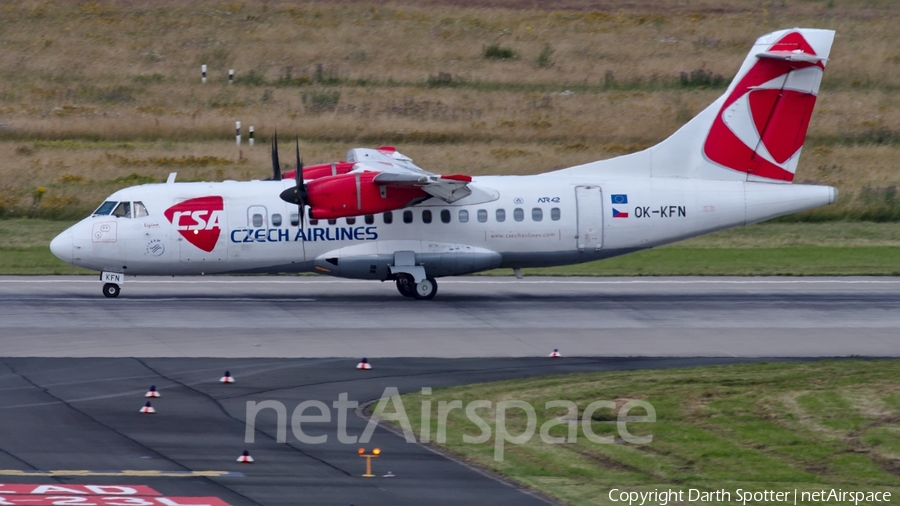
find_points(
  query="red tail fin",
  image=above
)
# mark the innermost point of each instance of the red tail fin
(762, 124)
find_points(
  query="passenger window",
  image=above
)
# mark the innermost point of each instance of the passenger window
(501, 215)
(426, 216)
(139, 210)
(311, 220)
(257, 217)
(388, 218)
(482, 215)
(445, 216)
(295, 219)
(537, 214)
(105, 208)
(407, 216)
(463, 216)
(554, 214)
(351, 221)
(276, 220)
(518, 214)
(123, 210)
(370, 219)
(332, 222)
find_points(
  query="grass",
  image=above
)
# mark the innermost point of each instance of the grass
(34, 261)
(109, 89)
(785, 261)
(79, 173)
(25, 248)
(769, 249)
(781, 426)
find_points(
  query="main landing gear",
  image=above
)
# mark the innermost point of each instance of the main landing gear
(425, 290)
(111, 290)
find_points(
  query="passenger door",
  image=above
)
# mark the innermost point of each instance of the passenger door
(589, 201)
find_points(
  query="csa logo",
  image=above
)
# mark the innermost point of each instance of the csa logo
(762, 124)
(198, 220)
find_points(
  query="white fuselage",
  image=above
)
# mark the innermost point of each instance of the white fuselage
(550, 219)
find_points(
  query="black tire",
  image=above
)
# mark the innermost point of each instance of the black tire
(420, 289)
(405, 286)
(111, 290)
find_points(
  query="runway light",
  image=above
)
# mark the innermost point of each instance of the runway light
(369, 457)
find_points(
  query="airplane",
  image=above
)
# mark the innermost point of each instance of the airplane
(378, 216)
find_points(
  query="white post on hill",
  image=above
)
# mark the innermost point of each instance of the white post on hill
(230, 76)
(251, 136)
(237, 132)
(203, 73)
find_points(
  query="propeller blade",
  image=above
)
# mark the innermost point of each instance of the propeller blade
(301, 186)
(276, 166)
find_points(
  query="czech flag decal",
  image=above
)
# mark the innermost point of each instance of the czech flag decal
(619, 214)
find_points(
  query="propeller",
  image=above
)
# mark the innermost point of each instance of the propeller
(276, 167)
(298, 194)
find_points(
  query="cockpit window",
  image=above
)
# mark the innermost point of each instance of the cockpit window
(123, 210)
(139, 210)
(105, 208)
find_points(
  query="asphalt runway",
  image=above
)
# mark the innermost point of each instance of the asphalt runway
(470, 317)
(69, 422)
(82, 415)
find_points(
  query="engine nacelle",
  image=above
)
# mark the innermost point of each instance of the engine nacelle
(323, 170)
(356, 194)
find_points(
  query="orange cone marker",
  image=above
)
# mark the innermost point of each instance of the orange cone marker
(364, 365)
(148, 409)
(227, 378)
(555, 354)
(152, 392)
(245, 458)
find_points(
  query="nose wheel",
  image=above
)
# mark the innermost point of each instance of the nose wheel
(111, 290)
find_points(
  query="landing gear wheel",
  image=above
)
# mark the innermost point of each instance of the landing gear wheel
(426, 290)
(111, 290)
(405, 286)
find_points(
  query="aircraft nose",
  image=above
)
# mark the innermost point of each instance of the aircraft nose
(62, 246)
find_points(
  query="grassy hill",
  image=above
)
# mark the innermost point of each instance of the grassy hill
(98, 95)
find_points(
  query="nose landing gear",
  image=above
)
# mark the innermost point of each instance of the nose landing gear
(111, 290)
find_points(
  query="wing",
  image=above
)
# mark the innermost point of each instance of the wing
(398, 170)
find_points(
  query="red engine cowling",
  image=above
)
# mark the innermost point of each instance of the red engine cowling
(323, 170)
(356, 194)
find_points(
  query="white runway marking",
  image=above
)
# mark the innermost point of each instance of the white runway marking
(158, 299)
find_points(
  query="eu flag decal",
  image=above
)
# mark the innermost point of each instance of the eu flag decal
(619, 198)
(619, 214)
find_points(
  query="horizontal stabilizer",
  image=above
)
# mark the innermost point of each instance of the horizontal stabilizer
(791, 56)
